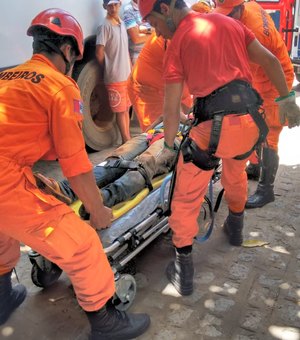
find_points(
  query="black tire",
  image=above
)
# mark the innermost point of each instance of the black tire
(45, 278)
(96, 105)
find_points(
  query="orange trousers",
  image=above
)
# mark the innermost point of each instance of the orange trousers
(238, 135)
(147, 101)
(274, 125)
(74, 246)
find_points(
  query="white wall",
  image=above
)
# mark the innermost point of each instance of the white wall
(16, 16)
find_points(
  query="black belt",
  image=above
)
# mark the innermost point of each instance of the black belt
(236, 97)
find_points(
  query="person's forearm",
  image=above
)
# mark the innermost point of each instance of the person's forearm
(173, 94)
(100, 58)
(171, 126)
(157, 121)
(136, 36)
(276, 75)
(85, 187)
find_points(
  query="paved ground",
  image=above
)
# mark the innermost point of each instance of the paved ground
(240, 293)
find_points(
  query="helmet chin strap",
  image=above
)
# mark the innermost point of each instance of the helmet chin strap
(54, 48)
(170, 24)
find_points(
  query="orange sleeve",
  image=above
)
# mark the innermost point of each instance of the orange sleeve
(65, 119)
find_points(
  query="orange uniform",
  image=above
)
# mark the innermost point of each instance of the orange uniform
(40, 118)
(262, 25)
(238, 133)
(145, 84)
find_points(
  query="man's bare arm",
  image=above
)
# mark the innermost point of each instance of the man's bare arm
(100, 57)
(172, 105)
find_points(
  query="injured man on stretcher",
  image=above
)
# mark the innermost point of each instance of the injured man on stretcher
(125, 172)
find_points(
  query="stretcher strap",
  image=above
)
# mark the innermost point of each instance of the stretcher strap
(128, 165)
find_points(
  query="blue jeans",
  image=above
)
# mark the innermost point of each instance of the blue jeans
(105, 175)
(154, 162)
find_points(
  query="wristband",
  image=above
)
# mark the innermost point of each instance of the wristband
(169, 147)
(291, 94)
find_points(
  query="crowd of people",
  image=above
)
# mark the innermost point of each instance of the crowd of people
(236, 75)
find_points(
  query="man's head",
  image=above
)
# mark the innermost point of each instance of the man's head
(229, 7)
(56, 31)
(112, 7)
(162, 15)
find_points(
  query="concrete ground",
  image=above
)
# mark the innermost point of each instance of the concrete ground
(240, 293)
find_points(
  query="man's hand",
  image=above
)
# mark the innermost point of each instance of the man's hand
(289, 110)
(167, 156)
(101, 219)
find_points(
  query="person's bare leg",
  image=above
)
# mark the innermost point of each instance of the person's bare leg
(123, 125)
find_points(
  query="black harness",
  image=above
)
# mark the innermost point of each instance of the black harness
(237, 97)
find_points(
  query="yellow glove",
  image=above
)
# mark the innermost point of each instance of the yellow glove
(288, 110)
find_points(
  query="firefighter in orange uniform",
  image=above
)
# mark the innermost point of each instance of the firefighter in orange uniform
(145, 84)
(227, 124)
(40, 118)
(252, 15)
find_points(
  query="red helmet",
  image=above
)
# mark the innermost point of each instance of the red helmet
(226, 6)
(60, 22)
(146, 7)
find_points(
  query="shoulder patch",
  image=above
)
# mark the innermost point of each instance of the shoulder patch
(78, 106)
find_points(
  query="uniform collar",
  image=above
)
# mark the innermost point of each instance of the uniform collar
(44, 59)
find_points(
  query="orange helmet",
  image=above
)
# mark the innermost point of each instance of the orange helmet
(145, 7)
(61, 23)
(226, 6)
(201, 7)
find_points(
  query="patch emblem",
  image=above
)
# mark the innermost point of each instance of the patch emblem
(114, 98)
(78, 106)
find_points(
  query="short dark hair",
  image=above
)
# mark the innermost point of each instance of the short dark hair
(235, 9)
(42, 35)
(179, 4)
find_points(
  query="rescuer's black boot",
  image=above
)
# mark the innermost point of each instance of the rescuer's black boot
(233, 228)
(10, 297)
(253, 171)
(108, 323)
(181, 271)
(265, 189)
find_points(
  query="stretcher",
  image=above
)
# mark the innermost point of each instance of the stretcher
(136, 223)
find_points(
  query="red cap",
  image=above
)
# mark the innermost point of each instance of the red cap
(146, 7)
(226, 6)
(61, 23)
